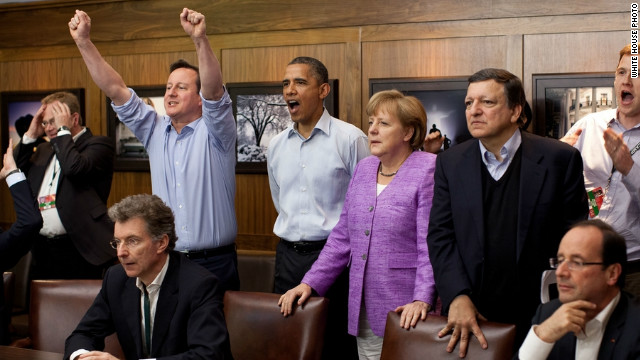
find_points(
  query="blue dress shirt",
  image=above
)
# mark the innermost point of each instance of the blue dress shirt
(495, 167)
(309, 177)
(192, 172)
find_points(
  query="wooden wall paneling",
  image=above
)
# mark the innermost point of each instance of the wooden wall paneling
(148, 69)
(514, 62)
(125, 20)
(350, 94)
(430, 58)
(496, 27)
(128, 183)
(255, 213)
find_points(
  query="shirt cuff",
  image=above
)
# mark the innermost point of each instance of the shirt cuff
(27, 140)
(77, 353)
(534, 348)
(632, 180)
(15, 178)
(64, 132)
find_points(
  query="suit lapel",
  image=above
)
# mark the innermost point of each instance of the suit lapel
(566, 347)
(167, 302)
(131, 299)
(613, 331)
(36, 173)
(468, 174)
(532, 176)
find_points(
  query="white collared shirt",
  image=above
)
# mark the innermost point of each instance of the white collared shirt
(52, 225)
(308, 178)
(154, 290)
(587, 344)
(621, 204)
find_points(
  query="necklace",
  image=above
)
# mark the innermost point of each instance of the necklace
(383, 174)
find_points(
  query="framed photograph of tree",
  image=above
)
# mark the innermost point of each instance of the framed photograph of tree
(261, 113)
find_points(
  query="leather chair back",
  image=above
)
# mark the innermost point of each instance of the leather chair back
(257, 329)
(57, 306)
(8, 281)
(256, 270)
(422, 342)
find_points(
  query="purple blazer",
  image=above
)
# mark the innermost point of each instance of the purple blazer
(383, 240)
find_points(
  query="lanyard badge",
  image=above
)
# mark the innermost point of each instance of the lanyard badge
(47, 202)
(595, 201)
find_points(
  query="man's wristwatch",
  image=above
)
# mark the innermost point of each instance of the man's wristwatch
(63, 128)
(13, 172)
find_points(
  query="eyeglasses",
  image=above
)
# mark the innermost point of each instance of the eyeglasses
(571, 264)
(50, 122)
(130, 243)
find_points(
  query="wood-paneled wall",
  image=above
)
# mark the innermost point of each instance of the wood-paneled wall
(356, 39)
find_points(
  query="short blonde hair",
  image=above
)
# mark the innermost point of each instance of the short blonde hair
(407, 109)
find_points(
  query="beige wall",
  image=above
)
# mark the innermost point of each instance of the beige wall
(357, 41)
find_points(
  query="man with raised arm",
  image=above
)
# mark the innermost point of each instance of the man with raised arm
(191, 149)
(71, 176)
(17, 241)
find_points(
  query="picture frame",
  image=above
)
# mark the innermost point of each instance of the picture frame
(442, 98)
(554, 99)
(130, 152)
(20, 107)
(261, 113)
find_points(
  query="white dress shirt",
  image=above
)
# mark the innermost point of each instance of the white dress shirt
(587, 344)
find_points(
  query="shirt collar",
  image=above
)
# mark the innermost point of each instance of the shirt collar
(507, 151)
(157, 282)
(191, 125)
(600, 321)
(324, 125)
(75, 138)
(616, 121)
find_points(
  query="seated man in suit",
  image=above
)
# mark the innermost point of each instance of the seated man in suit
(593, 317)
(157, 301)
(16, 242)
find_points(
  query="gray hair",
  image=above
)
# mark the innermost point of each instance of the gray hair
(150, 208)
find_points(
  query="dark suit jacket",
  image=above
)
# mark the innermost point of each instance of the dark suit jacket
(552, 198)
(16, 242)
(83, 188)
(621, 339)
(189, 322)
